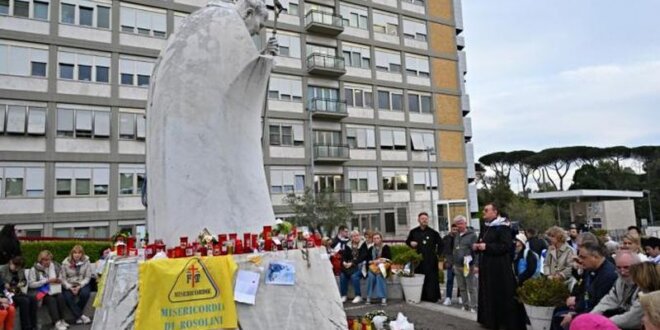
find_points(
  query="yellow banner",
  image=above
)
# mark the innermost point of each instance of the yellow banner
(187, 293)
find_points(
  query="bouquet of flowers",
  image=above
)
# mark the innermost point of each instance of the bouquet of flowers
(205, 237)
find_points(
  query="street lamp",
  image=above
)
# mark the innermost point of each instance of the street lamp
(429, 152)
(648, 194)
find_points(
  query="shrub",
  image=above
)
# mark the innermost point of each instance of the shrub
(60, 249)
(408, 255)
(396, 250)
(542, 291)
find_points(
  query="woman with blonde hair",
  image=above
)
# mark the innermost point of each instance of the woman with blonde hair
(634, 244)
(646, 275)
(651, 306)
(45, 284)
(558, 260)
(76, 273)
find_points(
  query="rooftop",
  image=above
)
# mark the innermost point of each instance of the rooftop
(587, 193)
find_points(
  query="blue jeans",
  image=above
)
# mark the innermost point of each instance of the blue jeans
(450, 282)
(355, 280)
(70, 299)
(378, 283)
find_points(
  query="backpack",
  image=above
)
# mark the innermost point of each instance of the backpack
(522, 263)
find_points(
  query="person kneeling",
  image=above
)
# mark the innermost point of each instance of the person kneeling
(378, 257)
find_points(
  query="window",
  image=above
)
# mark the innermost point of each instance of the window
(22, 60)
(356, 56)
(86, 16)
(395, 179)
(421, 179)
(422, 140)
(132, 126)
(84, 67)
(388, 61)
(393, 139)
(354, 16)
(131, 179)
(4, 7)
(82, 232)
(21, 181)
(28, 9)
(21, 120)
(361, 137)
(414, 30)
(385, 23)
(73, 180)
(21, 8)
(292, 8)
(83, 123)
(390, 226)
(284, 88)
(286, 134)
(327, 138)
(68, 13)
(286, 181)
(135, 72)
(390, 100)
(419, 103)
(359, 96)
(143, 21)
(40, 10)
(367, 221)
(363, 180)
(417, 65)
(103, 17)
(289, 44)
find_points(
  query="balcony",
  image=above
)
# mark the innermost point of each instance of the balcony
(331, 154)
(323, 23)
(343, 196)
(465, 104)
(326, 65)
(467, 128)
(460, 42)
(327, 108)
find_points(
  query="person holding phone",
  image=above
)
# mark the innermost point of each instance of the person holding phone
(76, 274)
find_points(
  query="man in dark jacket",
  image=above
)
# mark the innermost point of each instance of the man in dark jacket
(341, 239)
(428, 243)
(447, 244)
(598, 280)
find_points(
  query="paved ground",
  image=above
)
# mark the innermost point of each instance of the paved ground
(425, 316)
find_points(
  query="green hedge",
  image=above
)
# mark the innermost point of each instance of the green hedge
(397, 250)
(60, 249)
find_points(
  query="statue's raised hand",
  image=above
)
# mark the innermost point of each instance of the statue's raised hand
(272, 47)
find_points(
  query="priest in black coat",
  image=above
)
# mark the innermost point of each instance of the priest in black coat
(498, 308)
(428, 243)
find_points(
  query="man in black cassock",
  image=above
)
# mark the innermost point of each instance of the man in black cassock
(498, 308)
(428, 243)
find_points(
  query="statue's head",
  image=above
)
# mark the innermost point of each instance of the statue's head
(254, 14)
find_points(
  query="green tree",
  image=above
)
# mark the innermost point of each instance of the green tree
(531, 214)
(320, 211)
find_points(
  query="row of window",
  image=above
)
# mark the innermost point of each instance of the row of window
(292, 180)
(18, 180)
(289, 88)
(357, 137)
(77, 122)
(24, 59)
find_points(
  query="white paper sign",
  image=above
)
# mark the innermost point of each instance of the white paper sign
(247, 283)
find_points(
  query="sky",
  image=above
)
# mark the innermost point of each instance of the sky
(545, 74)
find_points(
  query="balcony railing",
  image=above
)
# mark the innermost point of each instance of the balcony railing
(327, 107)
(322, 22)
(337, 152)
(326, 65)
(343, 196)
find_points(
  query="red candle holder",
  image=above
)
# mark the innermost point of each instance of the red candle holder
(132, 252)
(217, 250)
(238, 248)
(255, 242)
(121, 250)
(149, 251)
(171, 253)
(131, 243)
(247, 240)
(183, 241)
(233, 237)
(189, 251)
(179, 252)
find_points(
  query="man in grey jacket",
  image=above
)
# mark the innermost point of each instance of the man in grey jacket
(462, 255)
(621, 304)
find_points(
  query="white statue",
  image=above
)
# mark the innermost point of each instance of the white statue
(204, 156)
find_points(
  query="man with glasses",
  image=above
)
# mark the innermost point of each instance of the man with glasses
(599, 279)
(621, 304)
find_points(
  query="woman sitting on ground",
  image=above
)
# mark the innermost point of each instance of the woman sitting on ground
(13, 275)
(76, 274)
(377, 255)
(45, 284)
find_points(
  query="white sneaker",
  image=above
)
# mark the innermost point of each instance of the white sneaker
(357, 300)
(343, 299)
(472, 310)
(79, 321)
(383, 302)
(85, 319)
(60, 326)
(64, 323)
(460, 300)
(447, 302)
(368, 301)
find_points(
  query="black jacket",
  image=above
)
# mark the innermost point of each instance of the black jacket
(385, 253)
(347, 256)
(532, 264)
(537, 245)
(597, 284)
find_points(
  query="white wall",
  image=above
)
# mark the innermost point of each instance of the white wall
(287, 152)
(24, 83)
(129, 203)
(396, 196)
(85, 33)
(82, 145)
(22, 143)
(388, 76)
(133, 93)
(81, 204)
(83, 88)
(131, 147)
(21, 205)
(129, 39)
(401, 155)
(24, 25)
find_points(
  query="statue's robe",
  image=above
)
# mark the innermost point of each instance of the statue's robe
(204, 154)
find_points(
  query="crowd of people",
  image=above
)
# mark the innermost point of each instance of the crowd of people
(57, 286)
(611, 283)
